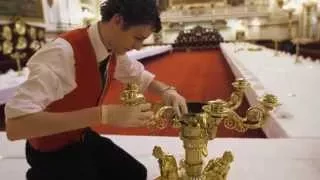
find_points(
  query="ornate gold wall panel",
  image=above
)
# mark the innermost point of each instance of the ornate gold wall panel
(18, 42)
(30, 10)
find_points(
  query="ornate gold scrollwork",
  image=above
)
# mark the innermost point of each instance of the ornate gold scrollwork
(32, 33)
(196, 129)
(41, 34)
(35, 44)
(132, 96)
(6, 33)
(20, 27)
(7, 45)
(17, 56)
(21, 43)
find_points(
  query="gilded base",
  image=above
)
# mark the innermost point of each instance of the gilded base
(216, 169)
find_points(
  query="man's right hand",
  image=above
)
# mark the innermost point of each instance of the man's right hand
(126, 116)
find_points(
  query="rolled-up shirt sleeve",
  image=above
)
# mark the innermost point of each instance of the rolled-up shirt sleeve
(52, 76)
(131, 70)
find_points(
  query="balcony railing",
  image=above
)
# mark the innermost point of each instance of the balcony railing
(216, 13)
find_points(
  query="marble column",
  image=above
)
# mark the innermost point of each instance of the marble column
(290, 24)
(308, 25)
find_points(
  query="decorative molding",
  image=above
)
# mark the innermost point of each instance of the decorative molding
(214, 14)
(31, 11)
(179, 2)
(236, 2)
(220, 24)
(19, 41)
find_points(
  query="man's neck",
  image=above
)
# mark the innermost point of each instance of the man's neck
(105, 33)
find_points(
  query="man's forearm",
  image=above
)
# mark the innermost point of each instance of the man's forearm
(46, 123)
(157, 87)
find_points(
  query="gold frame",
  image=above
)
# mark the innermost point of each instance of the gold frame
(11, 16)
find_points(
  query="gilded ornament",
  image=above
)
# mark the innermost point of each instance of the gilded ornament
(167, 164)
(20, 27)
(17, 56)
(7, 47)
(21, 43)
(41, 34)
(32, 33)
(7, 33)
(35, 45)
(217, 169)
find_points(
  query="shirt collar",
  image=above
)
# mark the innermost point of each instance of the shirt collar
(99, 49)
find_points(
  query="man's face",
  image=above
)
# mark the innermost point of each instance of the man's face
(132, 38)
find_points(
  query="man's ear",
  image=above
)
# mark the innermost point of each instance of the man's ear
(118, 20)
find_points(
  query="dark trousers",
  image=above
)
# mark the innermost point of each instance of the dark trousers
(94, 158)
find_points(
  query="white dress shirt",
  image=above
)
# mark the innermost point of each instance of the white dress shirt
(52, 75)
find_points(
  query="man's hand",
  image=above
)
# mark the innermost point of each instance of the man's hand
(172, 98)
(126, 116)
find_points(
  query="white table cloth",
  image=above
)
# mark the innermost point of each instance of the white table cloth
(9, 82)
(149, 51)
(296, 85)
(263, 159)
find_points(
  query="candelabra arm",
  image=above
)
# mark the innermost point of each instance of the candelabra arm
(164, 115)
(256, 116)
(238, 95)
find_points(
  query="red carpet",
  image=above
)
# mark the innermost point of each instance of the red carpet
(199, 76)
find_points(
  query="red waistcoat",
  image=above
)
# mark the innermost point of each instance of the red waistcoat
(88, 92)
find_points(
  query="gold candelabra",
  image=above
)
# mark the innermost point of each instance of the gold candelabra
(131, 96)
(196, 129)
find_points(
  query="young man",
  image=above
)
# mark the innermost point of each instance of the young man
(61, 99)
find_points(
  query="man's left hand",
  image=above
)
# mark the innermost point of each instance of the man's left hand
(172, 98)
